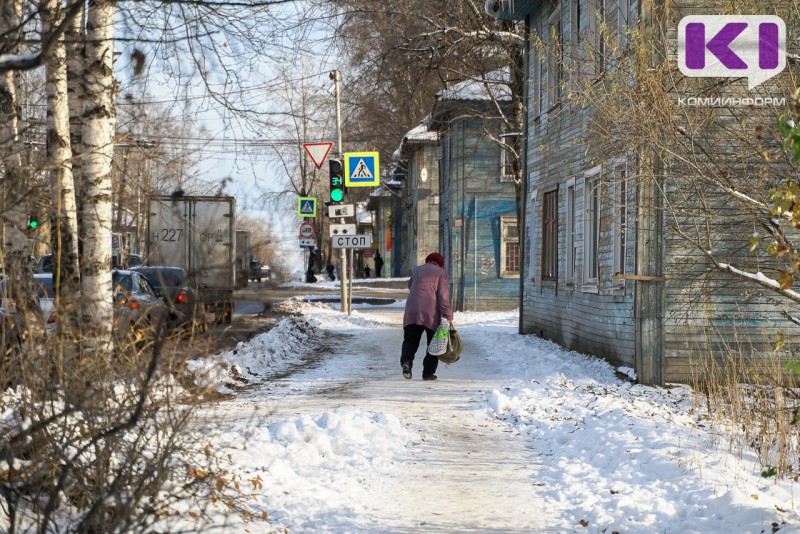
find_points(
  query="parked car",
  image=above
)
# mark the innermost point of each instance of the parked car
(44, 265)
(136, 305)
(180, 291)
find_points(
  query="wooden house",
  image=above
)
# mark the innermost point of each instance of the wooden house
(478, 229)
(418, 170)
(627, 256)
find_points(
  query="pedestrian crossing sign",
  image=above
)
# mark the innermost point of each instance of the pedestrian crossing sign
(307, 207)
(361, 169)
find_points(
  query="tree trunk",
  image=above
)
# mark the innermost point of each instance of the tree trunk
(11, 181)
(76, 58)
(98, 143)
(63, 216)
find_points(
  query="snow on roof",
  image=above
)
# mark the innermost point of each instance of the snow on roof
(492, 85)
(418, 134)
(364, 217)
(421, 132)
(380, 191)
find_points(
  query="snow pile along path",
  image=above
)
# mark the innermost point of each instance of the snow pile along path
(518, 436)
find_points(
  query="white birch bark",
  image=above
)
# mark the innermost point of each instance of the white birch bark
(63, 217)
(98, 144)
(12, 211)
(76, 59)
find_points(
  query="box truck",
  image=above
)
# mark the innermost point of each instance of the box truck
(196, 233)
(242, 257)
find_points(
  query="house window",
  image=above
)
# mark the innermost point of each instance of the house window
(569, 249)
(591, 229)
(506, 158)
(509, 247)
(531, 208)
(623, 22)
(620, 222)
(597, 30)
(555, 56)
(550, 236)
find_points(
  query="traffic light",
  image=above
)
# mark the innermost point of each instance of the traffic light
(336, 170)
(33, 223)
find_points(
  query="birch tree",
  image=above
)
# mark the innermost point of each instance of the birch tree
(12, 209)
(98, 145)
(63, 218)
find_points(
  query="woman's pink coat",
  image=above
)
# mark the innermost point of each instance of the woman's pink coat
(428, 297)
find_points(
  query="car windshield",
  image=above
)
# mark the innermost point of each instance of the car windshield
(122, 282)
(163, 277)
(44, 287)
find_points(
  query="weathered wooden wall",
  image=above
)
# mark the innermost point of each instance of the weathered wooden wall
(473, 199)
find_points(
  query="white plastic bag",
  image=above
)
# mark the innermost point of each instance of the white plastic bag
(441, 338)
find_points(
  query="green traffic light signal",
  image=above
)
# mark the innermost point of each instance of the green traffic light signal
(336, 175)
(33, 222)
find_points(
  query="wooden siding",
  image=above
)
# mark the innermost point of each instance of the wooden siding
(705, 318)
(597, 320)
(472, 202)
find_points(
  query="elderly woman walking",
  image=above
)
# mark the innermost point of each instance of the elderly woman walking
(428, 302)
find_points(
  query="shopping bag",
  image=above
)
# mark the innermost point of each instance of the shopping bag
(438, 344)
(454, 348)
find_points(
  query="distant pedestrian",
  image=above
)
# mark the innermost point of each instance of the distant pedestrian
(367, 271)
(427, 304)
(378, 264)
(330, 268)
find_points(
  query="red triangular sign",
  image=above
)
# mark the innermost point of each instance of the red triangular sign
(318, 152)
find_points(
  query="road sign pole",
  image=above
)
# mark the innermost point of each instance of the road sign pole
(343, 278)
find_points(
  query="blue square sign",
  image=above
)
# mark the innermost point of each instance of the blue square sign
(361, 169)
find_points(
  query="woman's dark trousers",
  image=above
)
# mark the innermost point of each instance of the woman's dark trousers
(412, 334)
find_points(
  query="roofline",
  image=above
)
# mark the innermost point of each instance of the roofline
(509, 9)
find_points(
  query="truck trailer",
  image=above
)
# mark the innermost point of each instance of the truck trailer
(242, 257)
(196, 233)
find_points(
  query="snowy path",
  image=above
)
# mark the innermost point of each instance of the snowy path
(466, 472)
(518, 436)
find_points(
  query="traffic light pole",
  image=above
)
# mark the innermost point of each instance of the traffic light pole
(343, 274)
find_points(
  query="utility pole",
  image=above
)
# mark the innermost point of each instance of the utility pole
(343, 275)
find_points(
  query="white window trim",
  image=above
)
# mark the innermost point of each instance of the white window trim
(537, 80)
(554, 66)
(620, 173)
(507, 220)
(532, 233)
(623, 23)
(570, 254)
(596, 13)
(591, 285)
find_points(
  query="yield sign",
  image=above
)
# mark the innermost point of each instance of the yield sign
(317, 152)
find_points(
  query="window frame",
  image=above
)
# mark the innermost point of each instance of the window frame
(620, 222)
(570, 237)
(549, 233)
(597, 21)
(531, 232)
(592, 219)
(555, 58)
(505, 222)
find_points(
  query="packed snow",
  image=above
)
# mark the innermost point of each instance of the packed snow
(518, 436)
